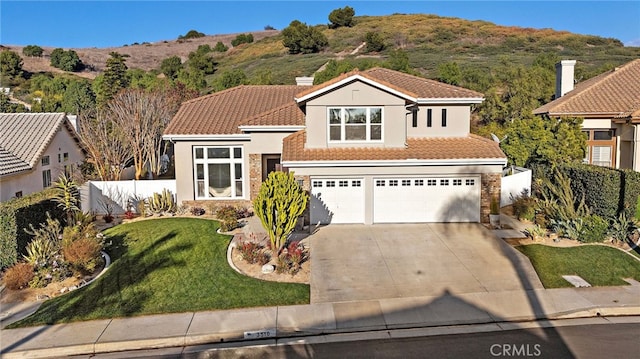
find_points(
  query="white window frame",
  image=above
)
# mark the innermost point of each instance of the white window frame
(231, 161)
(343, 124)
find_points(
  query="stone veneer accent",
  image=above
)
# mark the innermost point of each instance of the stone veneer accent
(306, 186)
(491, 185)
(255, 174)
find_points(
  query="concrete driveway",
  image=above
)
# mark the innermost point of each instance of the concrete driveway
(361, 262)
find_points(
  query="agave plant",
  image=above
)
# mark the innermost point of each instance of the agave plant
(41, 251)
(161, 203)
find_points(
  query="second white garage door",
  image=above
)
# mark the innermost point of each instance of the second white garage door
(409, 200)
(337, 200)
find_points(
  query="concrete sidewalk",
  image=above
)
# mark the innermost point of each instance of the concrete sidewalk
(188, 329)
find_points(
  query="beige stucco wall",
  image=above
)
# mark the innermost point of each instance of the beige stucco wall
(260, 143)
(458, 121)
(31, 181)
(357, 94)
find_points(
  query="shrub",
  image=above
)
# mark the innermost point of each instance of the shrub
(197, 211)
(32, 51)
(524, 206)
(18, 276)
(129, 215)
(243, 212)
(220, 47)
(242, 39)
(621, 228)
(192, 34)
(374, 41)
(251, 252)
(228, 217)
(291, 259)
(19, 213)
(594, 229)
(83, 254)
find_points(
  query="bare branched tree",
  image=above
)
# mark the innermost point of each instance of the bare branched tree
(107, 147)
(142, 117)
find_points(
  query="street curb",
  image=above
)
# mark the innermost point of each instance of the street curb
(293, 335)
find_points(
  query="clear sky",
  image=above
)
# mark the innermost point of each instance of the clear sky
(100, 24)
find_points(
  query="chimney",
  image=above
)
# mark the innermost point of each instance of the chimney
(564, 77)
(304, 81)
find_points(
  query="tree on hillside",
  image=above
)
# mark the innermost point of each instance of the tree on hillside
(171, 66)
(242, 39)
(220, 47)
(142, 116)
(78, 98)
(341, 17)
(231, 78)
(113, 79)
(66, 60)
(191, 34)
(375, 42)
(7, 106)
(335, 68)
(300, 38)
(450, 73)
(10, 64)
(398, 60)
(32, 51)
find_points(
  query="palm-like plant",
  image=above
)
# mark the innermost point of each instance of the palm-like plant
(67, 196)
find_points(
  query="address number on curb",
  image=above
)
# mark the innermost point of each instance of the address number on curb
(257, 334)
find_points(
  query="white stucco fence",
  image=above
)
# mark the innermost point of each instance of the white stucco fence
(118, 193)
(514, 181)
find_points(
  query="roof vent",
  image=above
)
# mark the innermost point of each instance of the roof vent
(304, 81)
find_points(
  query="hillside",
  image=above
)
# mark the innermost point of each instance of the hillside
(429, 41)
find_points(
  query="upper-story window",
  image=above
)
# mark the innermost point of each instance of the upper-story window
(444, 117)
(45, 160)
(355, 124)
(219, 172)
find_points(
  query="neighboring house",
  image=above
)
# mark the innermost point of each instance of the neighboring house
(35, 149)
(610, 106)
(376, 146)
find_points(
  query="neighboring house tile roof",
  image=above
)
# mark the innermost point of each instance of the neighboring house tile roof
(222, 112)
(286, 115)
(24, 137)
(471, 147)
(615, 93)
(412, 86)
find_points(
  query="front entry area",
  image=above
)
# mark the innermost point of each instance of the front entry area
(395, 199)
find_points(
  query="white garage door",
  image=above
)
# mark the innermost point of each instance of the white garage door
(337, 200)
(428, 199)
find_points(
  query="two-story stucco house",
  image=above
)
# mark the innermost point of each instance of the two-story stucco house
(35, 149)
(610, 106)
(376, 146)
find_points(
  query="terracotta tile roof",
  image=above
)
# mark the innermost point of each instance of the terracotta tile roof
(471, 147)
(222, 112)
(412, 86)
(25, 136)
(286, 115)
(614, 93)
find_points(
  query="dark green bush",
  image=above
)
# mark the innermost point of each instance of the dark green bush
(594, 229)
(524, 207)
(16, 215)
(606, 191)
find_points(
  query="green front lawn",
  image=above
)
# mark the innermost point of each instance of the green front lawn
(598, 265)
(166, 266)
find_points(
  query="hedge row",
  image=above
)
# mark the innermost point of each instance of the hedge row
(15, 217)
(607, 192)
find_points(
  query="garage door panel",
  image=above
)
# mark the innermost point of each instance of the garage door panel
(405, 200)
(337, 200)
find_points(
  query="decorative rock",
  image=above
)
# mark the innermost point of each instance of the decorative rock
(268, 268)
(64, 289)
(42, 297)
(73, 287)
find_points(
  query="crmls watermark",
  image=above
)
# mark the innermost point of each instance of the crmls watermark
(515, 350)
